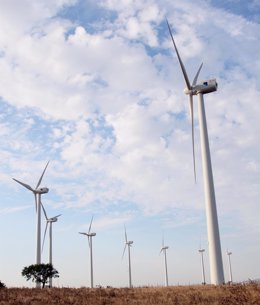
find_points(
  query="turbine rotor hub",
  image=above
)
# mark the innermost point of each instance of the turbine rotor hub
(188, 91)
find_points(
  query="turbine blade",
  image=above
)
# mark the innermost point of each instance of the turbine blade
(25, 185)
(35, 202)
(40, 180)
(82, 233)
(192, 135)
(194, 83)
(89, 229)
(124, 251)
(46, 227)
(180, 61)
(57, 216)
(125, 236)
(89, 241)
(44, 211)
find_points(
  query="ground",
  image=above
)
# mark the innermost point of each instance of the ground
(240, 294)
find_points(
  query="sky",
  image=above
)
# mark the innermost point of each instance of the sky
(95, 88)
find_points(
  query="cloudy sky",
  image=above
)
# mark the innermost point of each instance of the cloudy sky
(95, 87)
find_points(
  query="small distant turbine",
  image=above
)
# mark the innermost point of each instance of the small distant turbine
(230, 270)
(49, 221)
(164, 249)
(201, 251)
(37, 191)
(90, 235)
(128, 244)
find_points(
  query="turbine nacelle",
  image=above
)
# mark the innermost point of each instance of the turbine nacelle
(88, 234)
(204, 87)
(91, 234)
(129, 242)
(53, 219)
(41, 190)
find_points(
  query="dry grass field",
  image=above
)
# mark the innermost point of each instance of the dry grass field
(248, 294)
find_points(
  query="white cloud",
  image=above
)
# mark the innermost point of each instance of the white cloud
(104, 101)
(10, 210)
(75, 79)
(109, 221)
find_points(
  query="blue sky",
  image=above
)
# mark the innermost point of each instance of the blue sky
(95, 87)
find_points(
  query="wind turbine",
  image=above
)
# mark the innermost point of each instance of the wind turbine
(37, 191)
(201, 251)
(90, 235)
(164, 249)
(49, 221)
(208, 86)
(128, 244)
(230, 270)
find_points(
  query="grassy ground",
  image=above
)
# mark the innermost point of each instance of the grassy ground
(178, 295)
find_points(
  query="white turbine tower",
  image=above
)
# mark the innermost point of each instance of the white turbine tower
(128, 244)
(201, 251)
(37, 191)
(229, 264)
(49, 221)
(215, 257)
(90, 235)
(164, 249)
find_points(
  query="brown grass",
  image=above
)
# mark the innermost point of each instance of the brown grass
(247, 294)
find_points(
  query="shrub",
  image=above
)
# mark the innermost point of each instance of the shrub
(2, 285)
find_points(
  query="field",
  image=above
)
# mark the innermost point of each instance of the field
(247, 294)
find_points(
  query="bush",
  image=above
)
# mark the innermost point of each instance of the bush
(2, 285)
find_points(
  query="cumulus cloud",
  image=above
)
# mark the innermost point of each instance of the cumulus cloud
(101, 97)
(113, 100)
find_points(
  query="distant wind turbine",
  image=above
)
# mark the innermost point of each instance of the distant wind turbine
(164, 249)
(37, 191)
(90, 235)
(49, 221)
(128, 244)
(208, 86)
(229, 264)
(201, 251)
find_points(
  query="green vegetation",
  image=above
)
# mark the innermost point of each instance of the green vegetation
(40, 273)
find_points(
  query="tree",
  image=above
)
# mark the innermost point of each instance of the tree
(2, 285)
(40, 273)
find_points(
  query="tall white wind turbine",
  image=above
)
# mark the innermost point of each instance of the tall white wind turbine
(208, 86)
(128, 244)
(90, 235)
(49, 221)
(164, 249)
(37, 191)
